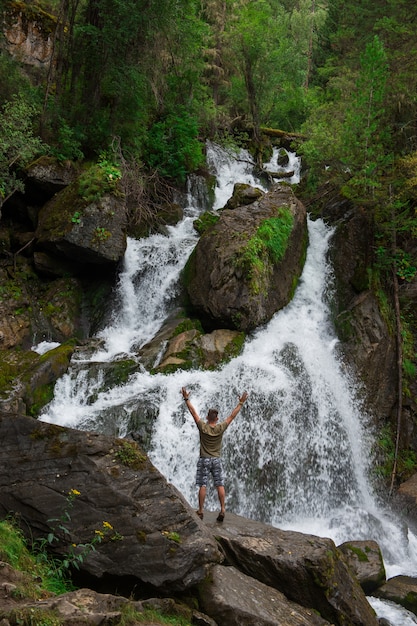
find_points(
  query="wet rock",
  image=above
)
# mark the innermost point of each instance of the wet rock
(365, 560)
(243, 194)
(402, 590)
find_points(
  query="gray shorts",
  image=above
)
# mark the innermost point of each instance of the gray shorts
(206, 466)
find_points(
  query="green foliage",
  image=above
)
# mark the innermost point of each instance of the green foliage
(67, 142)
(101, 235)
(406, 462)
(173, 147)
(76, 553)
(40, 580)
(13, 80)
(18, 142)
(99, 179)
(13, 550)
(404, 263)
(365, 131)
(410, 369)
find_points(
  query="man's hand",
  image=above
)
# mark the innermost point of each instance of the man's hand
(243, 397)
(185, 393)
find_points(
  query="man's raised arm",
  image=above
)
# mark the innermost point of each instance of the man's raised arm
(185, 395)
(237, 408)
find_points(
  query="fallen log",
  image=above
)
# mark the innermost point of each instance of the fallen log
(282, 174)
(276, 132)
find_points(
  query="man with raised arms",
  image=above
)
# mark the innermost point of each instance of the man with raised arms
(211, 436)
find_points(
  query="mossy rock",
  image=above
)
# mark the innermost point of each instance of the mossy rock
(40, 378)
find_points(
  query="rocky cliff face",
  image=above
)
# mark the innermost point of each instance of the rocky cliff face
(368, 342)
(28, 34)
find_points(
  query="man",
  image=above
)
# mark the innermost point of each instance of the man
(211, 435)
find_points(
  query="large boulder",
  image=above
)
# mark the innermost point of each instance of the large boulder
(401, 590)
(81, 231)
(102, 486)
(235, 599)
(365, 560)
(308, 570)
(246, 265)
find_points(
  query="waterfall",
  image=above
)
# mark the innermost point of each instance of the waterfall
(298, 454)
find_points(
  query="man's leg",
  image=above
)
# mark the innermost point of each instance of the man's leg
(222, 497)
(203, 469)
(201, 497)
(217, 471)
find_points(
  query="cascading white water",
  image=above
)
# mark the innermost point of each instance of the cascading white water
(297, 456)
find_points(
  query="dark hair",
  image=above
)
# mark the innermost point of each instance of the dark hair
(212, 415)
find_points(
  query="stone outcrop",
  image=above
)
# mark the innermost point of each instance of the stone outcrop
(52, 476)
(28, 33)
(83, 606)
(309, 570)
(366, 340)
(232, 280)
(156, 538)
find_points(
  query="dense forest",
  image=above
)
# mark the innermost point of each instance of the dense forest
(138, 86)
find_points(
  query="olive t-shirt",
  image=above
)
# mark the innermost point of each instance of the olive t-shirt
(211, 438)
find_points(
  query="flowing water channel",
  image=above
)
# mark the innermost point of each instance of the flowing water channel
(297, 455)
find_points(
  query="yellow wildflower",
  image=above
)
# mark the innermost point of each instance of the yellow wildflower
(107, 525)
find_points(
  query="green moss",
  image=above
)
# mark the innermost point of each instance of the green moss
(234, 348)
(362, 557)
(32, 12)
(130, 454)
(206, 221)
(40, 398)
(266, 248)
(188, 324)
(189, 269)
(98, 180)
(172, 536)
(42, 432)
